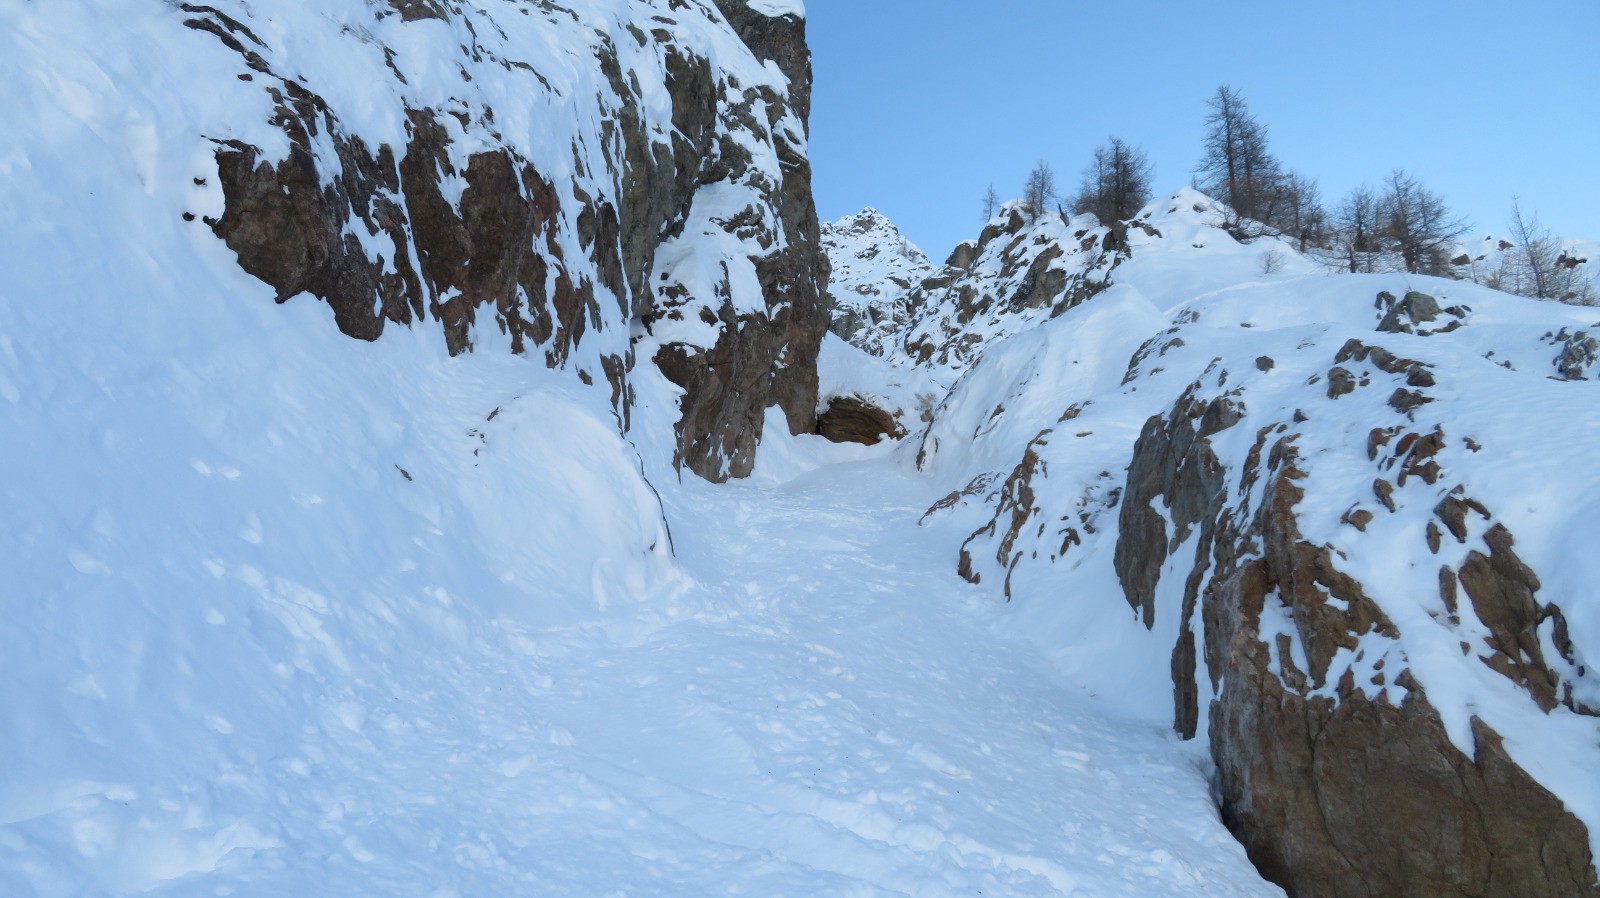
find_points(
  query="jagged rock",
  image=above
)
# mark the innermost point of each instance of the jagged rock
(1173, 463)
(1337, 787)
(1022, 268)
(873, 269)
(1502, 589)
(963, 256)
(781, 39)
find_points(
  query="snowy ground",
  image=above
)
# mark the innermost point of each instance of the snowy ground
(820, 708)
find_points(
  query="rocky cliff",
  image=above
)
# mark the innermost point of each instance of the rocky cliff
(1342, 556)
(598, 186)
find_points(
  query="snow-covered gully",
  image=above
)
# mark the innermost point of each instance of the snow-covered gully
(818, 707)
(824, 709)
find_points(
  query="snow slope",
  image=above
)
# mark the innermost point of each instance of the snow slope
(1489, 257)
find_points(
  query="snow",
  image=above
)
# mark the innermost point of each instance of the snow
(1487, 257)
(296, 614)
(289, 613)
(778, 8)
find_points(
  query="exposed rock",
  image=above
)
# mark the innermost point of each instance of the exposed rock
(486, 239)
(962, 257)
(1016, 507)
(1414, 309)
(1578, 353)
(873, 271)
(1021, 270)
(1337, 787)
(1358, 518)
(781, 39)
(1354, 795)
(1501, 588)
(1340, 382)
(850, 419)
(1416, 373)
(1172, 463)
(413, 10)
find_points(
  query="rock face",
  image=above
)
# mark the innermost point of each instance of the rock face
(1304, 500)
(874, 269)
(1334, 791)
(1335, 769)
(657, 176)
(766, 351)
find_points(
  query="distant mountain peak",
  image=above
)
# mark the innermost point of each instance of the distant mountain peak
(874, 269)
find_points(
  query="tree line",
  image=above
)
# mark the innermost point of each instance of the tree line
(1398, 225)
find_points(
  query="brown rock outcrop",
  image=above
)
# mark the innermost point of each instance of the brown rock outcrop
(850, 419)
(1349, 794)
(407, 234)
(1339, 784)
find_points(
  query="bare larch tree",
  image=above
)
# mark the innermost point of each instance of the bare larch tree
(1116, 183)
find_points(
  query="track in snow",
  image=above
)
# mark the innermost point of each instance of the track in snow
(835, 715)
(824, 709)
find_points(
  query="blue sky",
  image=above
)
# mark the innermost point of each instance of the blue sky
(919, 106)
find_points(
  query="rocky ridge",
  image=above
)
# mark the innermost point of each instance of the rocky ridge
(1022, 269)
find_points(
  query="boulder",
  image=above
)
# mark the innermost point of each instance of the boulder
(851, 419)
